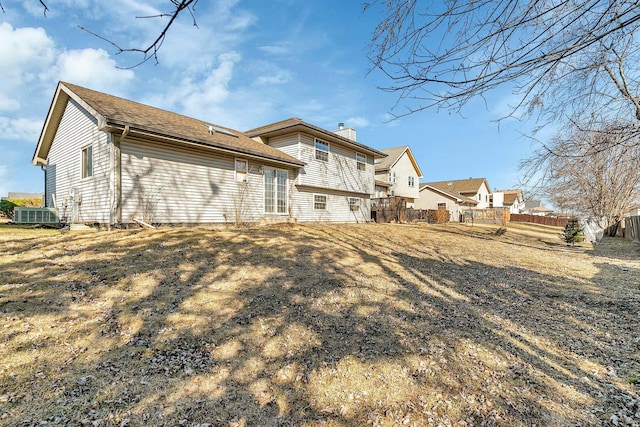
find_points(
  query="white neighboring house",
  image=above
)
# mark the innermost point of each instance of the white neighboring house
(434, 197)
(512, 199)
(398, 175)
(108, 160)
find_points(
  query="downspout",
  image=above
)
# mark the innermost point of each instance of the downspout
(44, 169)
(117, 169)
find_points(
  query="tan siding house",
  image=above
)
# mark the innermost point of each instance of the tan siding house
(433, 197)
(109, 160)
(400, 171)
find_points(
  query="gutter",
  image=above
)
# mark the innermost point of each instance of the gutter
(110, 127)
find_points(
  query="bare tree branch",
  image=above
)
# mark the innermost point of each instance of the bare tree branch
(594, 174)
(443, 54)
(150, 51)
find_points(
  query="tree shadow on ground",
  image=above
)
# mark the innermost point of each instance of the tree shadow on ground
(296, 326)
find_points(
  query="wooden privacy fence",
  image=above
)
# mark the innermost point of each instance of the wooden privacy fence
(394, 209)
(538, 219)
(488, 215)
(632, 228)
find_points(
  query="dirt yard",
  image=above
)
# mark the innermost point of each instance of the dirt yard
(310, 325)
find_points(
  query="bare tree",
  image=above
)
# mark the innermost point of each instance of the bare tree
(593, 174)
(150, 51)
(567, 60)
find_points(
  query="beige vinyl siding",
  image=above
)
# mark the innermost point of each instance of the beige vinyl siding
(170, 184)
(429, 200)
(404, 169)
(78, 129)
(340, 172)
(302, 206)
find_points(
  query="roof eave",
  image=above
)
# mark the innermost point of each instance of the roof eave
(315, 131)
(150, 134)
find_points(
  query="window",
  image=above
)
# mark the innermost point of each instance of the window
(361, 161)
(392, 177)
(412, 181)
(354, 204)
(442, 206)
(319, 202)
(87, 161)
(480, 197)
(242, 166)
(275, 191)
(322, 150)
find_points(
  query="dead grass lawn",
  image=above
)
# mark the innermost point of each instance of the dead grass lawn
(309, 325)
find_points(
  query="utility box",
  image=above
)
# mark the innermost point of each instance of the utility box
(35, 216)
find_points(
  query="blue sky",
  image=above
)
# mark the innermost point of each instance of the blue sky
(249, 63)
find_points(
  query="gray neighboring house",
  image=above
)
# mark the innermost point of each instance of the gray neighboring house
(109, 160)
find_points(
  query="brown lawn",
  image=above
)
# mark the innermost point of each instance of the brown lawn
(309, 325)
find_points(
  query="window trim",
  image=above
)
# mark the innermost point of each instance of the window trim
(362, 162)
(354, 204)
(241, 175)
(319, 150)
(275, 191)
(315, 202)
(86, 161)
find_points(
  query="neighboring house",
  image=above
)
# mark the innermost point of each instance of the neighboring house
(398, 174)
(535, 207)
(433, 196)
(108, 160)
(336, 182)
(476, 189)
(512, 199)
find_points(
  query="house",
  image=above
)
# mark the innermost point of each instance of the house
(512, 199)
(398, 174)
(336, 182)
(476, 189)
(433, 196)
(535, 207)
(109, 160)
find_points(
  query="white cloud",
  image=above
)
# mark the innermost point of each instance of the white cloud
(8, 104)
(275, 77)
(93, 68)
(278, 49)
(357, 122)
(24, 54)
(197, 97)
(20, 129)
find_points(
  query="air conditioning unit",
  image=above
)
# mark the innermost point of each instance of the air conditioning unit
(35, 216)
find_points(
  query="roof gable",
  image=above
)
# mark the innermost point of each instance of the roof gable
(462, 186)
(393, 155)
(295, 124)
(114, 114)
(457, 197)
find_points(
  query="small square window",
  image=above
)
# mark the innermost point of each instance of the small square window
(242, 166)
(87, 161)
(322, 150)
(354, 204)
(320, 202)
(361, 161)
